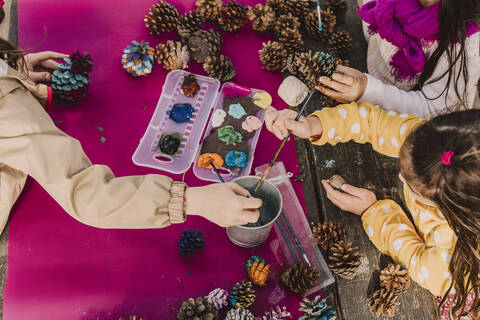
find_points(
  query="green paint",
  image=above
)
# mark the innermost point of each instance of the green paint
(228, 135)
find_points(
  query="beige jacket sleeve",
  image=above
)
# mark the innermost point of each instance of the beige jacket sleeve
(30, 144)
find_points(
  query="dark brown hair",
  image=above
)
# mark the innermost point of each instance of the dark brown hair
(12, 55)
(454, 188)
(453, 16)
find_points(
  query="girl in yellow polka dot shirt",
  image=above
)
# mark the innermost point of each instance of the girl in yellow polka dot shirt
(440, 169)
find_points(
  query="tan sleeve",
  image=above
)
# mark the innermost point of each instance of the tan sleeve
(11, 185)
(30, 142)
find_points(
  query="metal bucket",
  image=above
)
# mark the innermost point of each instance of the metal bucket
(254, 234)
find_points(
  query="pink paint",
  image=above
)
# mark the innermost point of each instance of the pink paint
(235, 90)
(251, 124)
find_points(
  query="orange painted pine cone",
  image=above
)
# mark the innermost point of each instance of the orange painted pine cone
(258, 270)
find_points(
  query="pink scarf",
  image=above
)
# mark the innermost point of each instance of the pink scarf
(404, 23)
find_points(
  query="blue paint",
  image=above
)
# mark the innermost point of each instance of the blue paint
(329, 164)
(236, 110)
(181, 112)
(236, 158)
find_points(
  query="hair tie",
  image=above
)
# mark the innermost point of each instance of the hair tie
(447, 158)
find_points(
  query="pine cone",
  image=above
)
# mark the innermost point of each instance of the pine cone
(232, 16)
(276, 313)
(291, 39)
(328, 102)
(309, 67)
(220, 68)
(329, 21)
(81, 63)
(190, 241)
(339, 8)
(327, 233)
(218, 298)
(173, 55)
(239, 314)
(395, 278)
(162, 17)
(242, 295)
(197, 309)
(258, 270)
(189, 23)
(273, 56)
(344, 259)
(138, 58)
(285, 21)
(262, 17)
(316, 309)
(209, 9)
(299, 8)
(342, 62)
(203, 44)
(383, 303)
(299, 277)
(340, 43)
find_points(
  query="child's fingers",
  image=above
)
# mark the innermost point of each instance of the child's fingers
(343, 79)
(251, 203)
(336, 197)
(343, 69)
(297, 127)
(49, 64)
(333, 84)
(354, 191)
(45, 55)
(328, 92)
(250, 216)
(39, 76)
(238, 190)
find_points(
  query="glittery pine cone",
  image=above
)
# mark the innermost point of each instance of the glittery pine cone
(291, 39)
(81, 63)
(239, 314)
(339, 7)
(258, 270)
(273, 56)
(209, 9)
(138, 58)
(242, 295)
(197, 309)
(189, 23)
(220, 68)
(173, 55)
(344, 259)
(285, 21)
(232, 16)
(276, 313)
(190, 241)
(203, 44)
(218, 298)
(316, 309)
(162, 17)
(340, 43)
(327, 233)
(395, 278)
(383, 303)
(329, 21)
(299, 277)
(262, 17)
(309, 67)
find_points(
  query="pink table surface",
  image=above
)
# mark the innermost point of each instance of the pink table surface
(59, 268)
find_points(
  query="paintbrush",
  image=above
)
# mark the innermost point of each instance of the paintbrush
(217, 172)
(270, 165)
(319, 14)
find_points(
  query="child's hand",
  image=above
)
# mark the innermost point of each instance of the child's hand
(353, 199)
(225, 204)
(279, 122)
(347, 85)
(39, 63)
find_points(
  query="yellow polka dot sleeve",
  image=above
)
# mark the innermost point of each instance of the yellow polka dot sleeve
(385, 130)
(392, 233)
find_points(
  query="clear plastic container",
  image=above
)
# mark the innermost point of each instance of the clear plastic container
(209, 174)
(147, 153)
(295, 215)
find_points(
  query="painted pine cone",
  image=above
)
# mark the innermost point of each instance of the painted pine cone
(344, 259)
(327, 233)
(138, 58)
(262, 17)
(232, 16)
(203, 44)
(69, 84)
(299, 277)
(218, 298)
(395, 278)
(242, 295)
(383, 303)
(190, 241)
(316, 309)
(162, 17)
(340, 43)
(339, 7)
(291, 39)
(309, 67)
(258, 270)
(276, 313)
(81, 63)
(285, 21)
(273, 56)
(197, 309)
(189, 23)
(329, 21)
(220, 68)
(239, 314)
(172, 55)
(209, 9)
